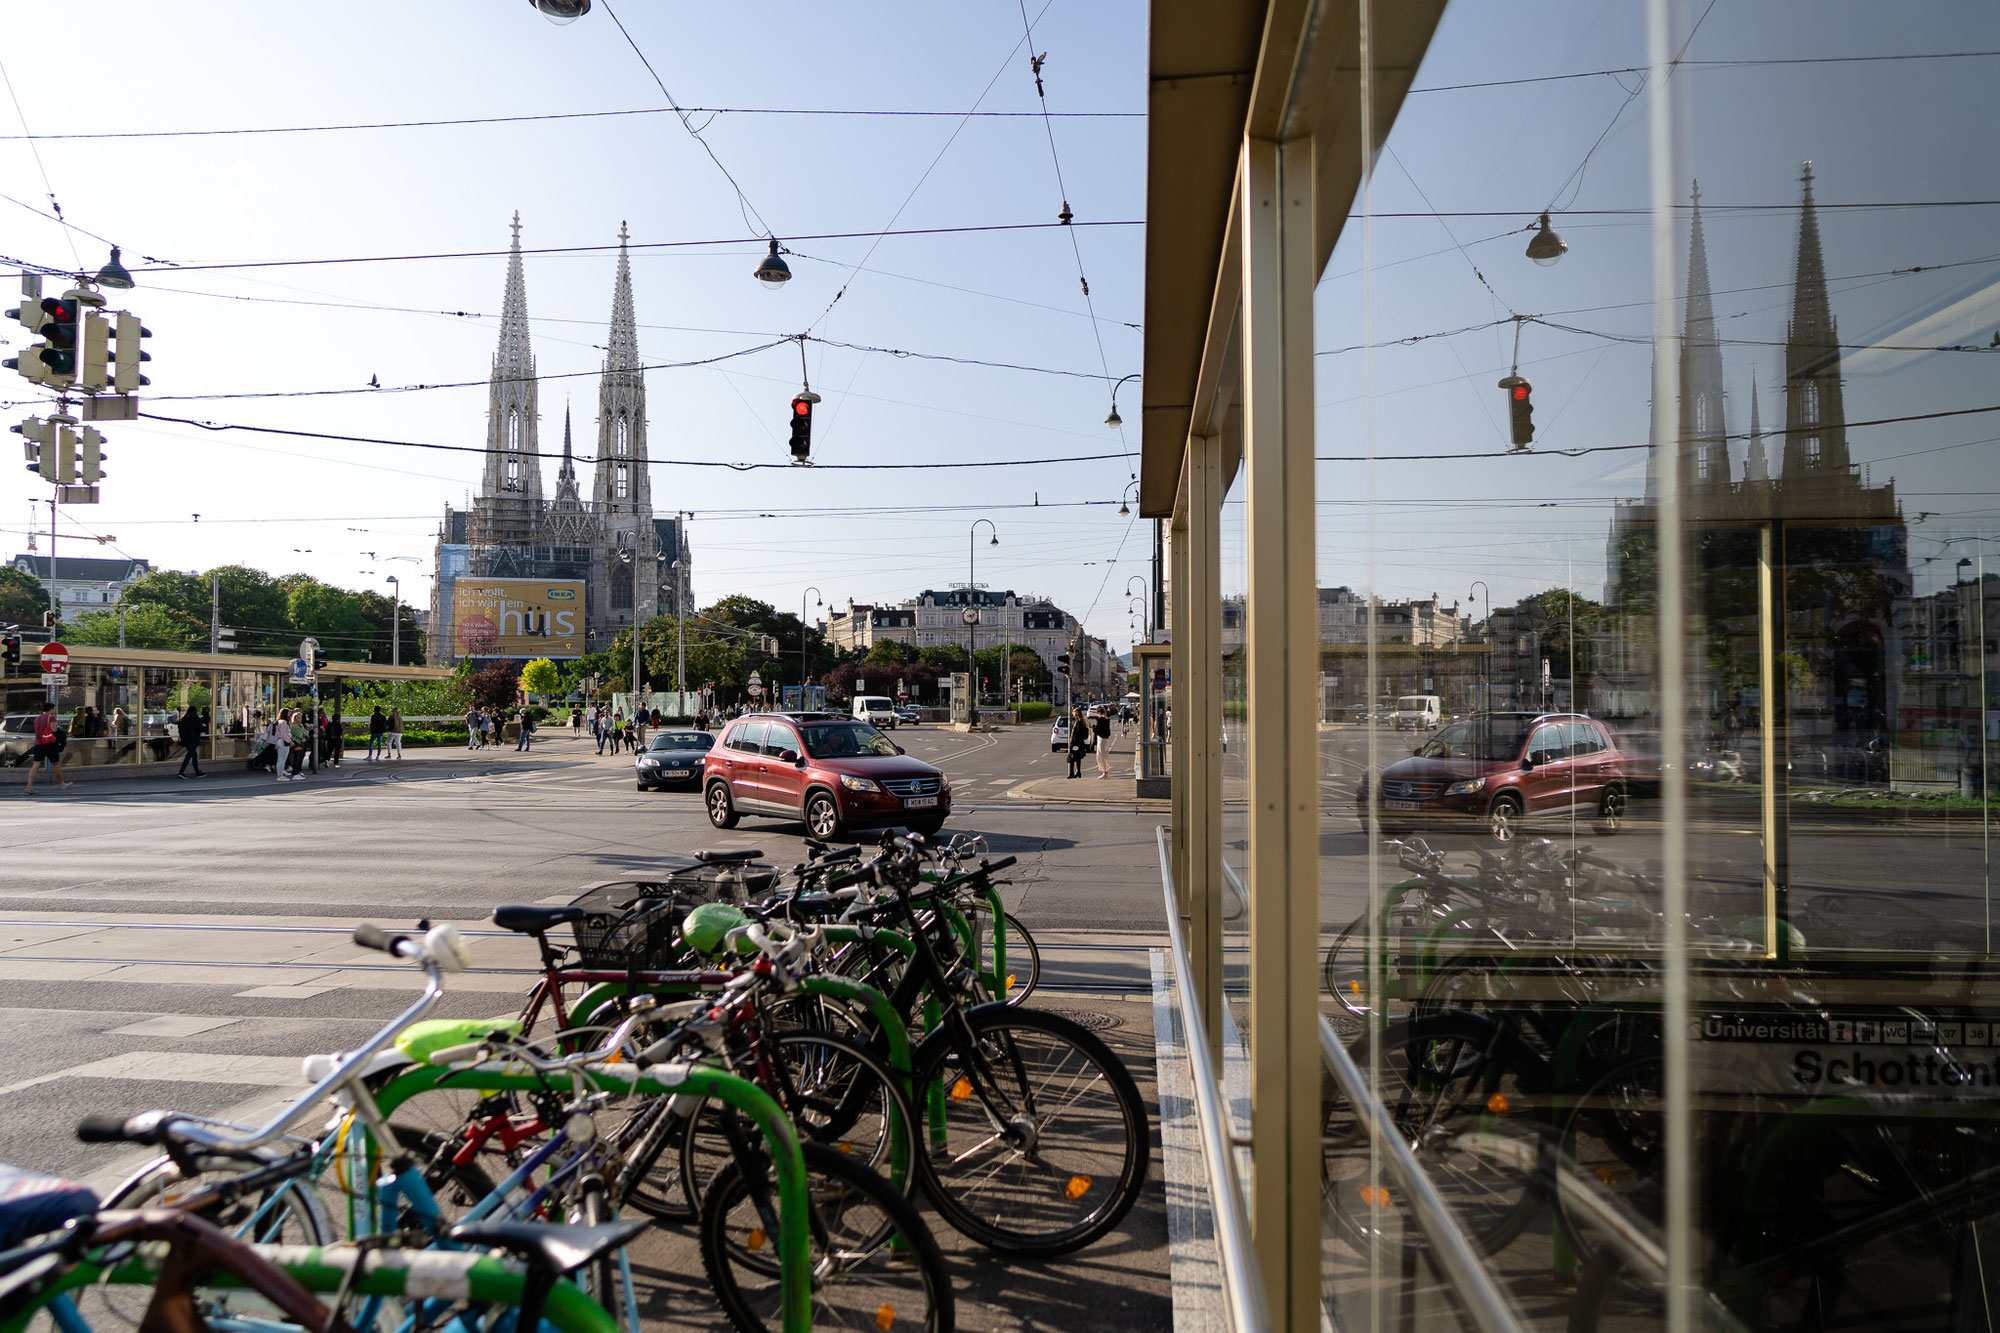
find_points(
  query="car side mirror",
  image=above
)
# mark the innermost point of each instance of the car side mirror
(1527, 762)
(788, 756)
(901, 750)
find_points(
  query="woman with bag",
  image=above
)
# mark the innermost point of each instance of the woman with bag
(1079, 742)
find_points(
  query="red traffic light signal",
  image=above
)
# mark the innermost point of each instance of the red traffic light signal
(802, 426)
(1520, 410)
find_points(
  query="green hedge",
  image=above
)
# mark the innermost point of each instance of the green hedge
(1035, 712)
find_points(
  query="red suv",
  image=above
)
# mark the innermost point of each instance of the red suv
(1500, 769)
(834, 773)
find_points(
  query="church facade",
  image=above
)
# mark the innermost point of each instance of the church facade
(632, 564)
(1797, 563)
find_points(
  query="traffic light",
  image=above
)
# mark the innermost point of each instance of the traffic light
(10, 651)
(94, 369)
(61, 331)
(35, 320)
(90, 457)
(127, 330)
(37, 435)
(1520, 409)
(802, 429)
(51, 450)
(1062, 664)
(48, 620)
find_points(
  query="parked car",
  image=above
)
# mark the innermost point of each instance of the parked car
(836, 774)
(1059, 734)
(1500, 770)
(905, 713)
(672, 758)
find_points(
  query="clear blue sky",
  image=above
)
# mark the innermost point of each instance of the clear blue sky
(1884, 133)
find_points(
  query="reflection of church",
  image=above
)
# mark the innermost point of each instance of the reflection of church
(1834, 545)
(512, 532)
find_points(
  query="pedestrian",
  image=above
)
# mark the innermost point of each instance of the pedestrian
(190, 738)
(299, 728)
(120, 724)
(617, 731)
(1079, 742)
(378, 727)
(335, 730)
(392, 733)
(527, 740)
(1100, 734)
(280, 737)
(575, 721)
(48, 747)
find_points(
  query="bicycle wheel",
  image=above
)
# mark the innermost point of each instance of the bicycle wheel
(1037, 1141)
(289, 1213)
(1613, 1135)
(598, 1278)
(1437, 1080)
(837, 1092)
(875, 1264)
(1024, 962)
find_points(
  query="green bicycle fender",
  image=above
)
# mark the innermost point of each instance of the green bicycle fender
(999, 983)
(455, 1275)
(665, 1080)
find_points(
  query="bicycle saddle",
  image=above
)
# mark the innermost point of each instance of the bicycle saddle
(735, 858)
(557, 1248)
(32, 1203)
(535, 920)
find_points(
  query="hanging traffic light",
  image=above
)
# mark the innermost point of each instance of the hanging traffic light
(10, 651)
(1520, 409)
(94, 369)
(35, 320)
(90, 456)
(802, 427)
(125, 363)
(37, 436)
(61, 331)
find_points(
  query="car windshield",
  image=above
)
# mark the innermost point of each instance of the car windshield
(682, 740)
(849, 740)
(1478, 738)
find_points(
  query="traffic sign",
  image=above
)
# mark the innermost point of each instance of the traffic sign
(55, 660)
(302, 672)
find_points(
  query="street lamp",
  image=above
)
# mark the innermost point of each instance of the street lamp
(773, 272)
(396, 623)
(1114, 420)
(972, 614)
(630, 556)
(1486, 665)
(561, 12)
(1145, 620)
(114, 274)
(1124, 509)
(819, 600)
(1545, 247)
(680, 638)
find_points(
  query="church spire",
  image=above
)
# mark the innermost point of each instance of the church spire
(1756, 467)
(1815, 417)
(1706, 447)
(511, 486)
(620, 489)
(568, 470)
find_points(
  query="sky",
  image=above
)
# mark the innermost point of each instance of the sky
(242, 344)
(1900, 149)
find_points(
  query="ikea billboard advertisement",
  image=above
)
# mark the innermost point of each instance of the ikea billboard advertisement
(517, 618)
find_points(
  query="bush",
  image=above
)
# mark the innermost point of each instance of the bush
(1035, 712)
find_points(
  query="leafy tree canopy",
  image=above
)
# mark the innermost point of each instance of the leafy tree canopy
(145, 627)
(22, 598)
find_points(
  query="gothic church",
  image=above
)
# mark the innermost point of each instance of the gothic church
(632, 564)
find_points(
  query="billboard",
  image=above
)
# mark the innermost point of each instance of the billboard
(517, 618)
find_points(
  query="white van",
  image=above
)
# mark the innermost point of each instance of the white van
(1417, 712)
(878, 710)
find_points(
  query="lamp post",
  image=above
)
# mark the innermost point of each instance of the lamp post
(630, 555)
(821, 600)
(1114, 420)
(1486, 664)
(396, 624)
(680, 638)
(972, 613)
(1145, 615)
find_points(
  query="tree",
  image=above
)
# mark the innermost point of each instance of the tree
(182, 597)
(541, 677)
(890, 652)
(945, 658)
(1563, 619)
(22, 598)
(331, 615)
(145, 627)
(495, 686)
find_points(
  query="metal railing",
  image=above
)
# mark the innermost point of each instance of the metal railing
(1242, 1281)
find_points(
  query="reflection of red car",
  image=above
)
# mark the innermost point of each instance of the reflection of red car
(477, 634)
(834, 773)
(1501, 769)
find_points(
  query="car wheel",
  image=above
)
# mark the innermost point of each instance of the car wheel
(1503, 816)
(823, 816)
(1610, 812)
(643, 787)
(721, 810)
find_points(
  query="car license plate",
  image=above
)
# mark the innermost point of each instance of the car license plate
(673, 772)
(1399, 805)
(919, 802)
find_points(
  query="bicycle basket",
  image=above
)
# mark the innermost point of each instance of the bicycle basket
(630, 924)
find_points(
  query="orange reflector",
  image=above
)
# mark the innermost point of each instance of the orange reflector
(847, 1148)
(1354, 988)
(961, 1090)
(1498, 1104)
(1010, 981)
(1078, 1187)
(1375, 1196)
(1605, 1174)
(616, 1058)
(884, 1317)
(756, 1238)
